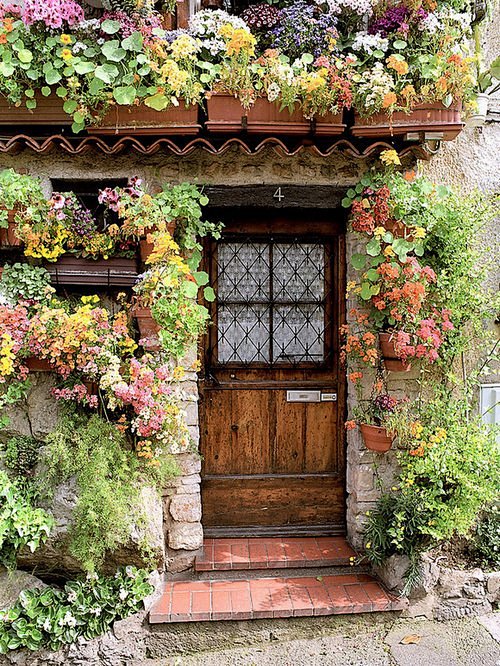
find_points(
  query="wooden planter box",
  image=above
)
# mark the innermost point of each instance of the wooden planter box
(178, 120)
(115, 272)
(376, 438)
(38, 365)
(391, 359)
(148, 328)
(49, 111)
(8, 237)
(329, 125)
(225, 113)
(265, 117)
(423, 118)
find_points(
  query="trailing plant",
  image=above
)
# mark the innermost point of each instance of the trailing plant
(53, 617)
(21, 525)
(22, 282)
(449, 472)
(17, 191)
(109, 479)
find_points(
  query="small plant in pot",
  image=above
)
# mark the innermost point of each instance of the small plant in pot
(17, 191)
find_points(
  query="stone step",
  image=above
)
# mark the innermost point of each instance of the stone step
(249, 599)
(274, 553)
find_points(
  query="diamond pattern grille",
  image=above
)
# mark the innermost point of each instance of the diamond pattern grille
(271, 303)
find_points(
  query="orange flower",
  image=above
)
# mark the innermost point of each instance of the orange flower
(417, 452)
(410, 175)
(389, 99)
(400, 66)
(350, 425)
(3, 38)
(354, 376)
(7, 23)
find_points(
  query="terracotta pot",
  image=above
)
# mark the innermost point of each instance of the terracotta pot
(92, 387)
(399, 229)
(392, 361)
(148, 328)
(146, 248)
(265, 117)
(38, 364)
(376, 438)
(225, 113)
(178, 120)
(8, 236)
(115, 272)
(49, 111)
(329, 125)
(430, 117)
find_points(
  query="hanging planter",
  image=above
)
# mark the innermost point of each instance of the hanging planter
(376, 438)
(48, 111)
(148, 328)
(399, 230)
(146, 247)
(429, 117)
(388, 352)
(175, 120)
(479, 118)
(8, 236)
(114, 272)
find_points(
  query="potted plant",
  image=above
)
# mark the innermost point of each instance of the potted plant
(17, 192)
(374, 419)
(485, 87)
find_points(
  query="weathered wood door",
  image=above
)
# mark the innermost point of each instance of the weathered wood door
(272, 396)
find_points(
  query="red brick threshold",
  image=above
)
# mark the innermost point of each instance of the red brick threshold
(197, 601)
(274, 553)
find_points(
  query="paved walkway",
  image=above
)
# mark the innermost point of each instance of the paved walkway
(465, 642)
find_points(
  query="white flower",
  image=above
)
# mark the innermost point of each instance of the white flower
(359, 7)
(123, 594)
(206, 25)
(369, 43)
(72, 596)
(68, 620)
(96, 611)
(47, 625)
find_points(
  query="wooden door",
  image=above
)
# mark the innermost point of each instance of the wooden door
(272, 401)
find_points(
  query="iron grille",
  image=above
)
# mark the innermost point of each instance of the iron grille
(271, 307)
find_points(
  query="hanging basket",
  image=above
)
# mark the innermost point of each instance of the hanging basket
(8, 236)
(376, 438)
(391, 359)
(48, 111)
(148, 328)
(430, 117)
(175, 120)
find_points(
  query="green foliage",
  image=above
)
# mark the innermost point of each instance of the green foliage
(109, 480)
(51, 618)
(487, 536)
(11, 394)
(25, 282)
(20, 524)
(449, 472)
(17, 191)
(21, 455)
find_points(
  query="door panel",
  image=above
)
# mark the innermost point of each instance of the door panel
(271, 465)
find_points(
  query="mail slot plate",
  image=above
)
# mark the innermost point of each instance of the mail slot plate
(303, 396)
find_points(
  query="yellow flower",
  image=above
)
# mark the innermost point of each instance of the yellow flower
(379, 231)
(389, 252)
(183, 47)
(368, 545)
(390, 157)
(419, 232)
(66, 39)
(66, 54)
(350, 286)
(179, 372)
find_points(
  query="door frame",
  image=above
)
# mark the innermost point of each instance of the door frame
(322, 203)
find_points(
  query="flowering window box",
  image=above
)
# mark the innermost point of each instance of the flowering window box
(430, 117)
(178, 120)
(48, 111)
(225, 113)
(8, 236)
(115, 272)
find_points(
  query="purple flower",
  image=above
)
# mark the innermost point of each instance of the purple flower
(392, 21)
(58, 200)
(304, 28)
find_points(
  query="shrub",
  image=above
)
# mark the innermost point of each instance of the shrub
(487, 537)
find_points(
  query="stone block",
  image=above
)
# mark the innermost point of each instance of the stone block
(186, 508)
(12, 583)
(185, 536)
(188, 463)
(392, 571)
(191, 410)
(493, 586)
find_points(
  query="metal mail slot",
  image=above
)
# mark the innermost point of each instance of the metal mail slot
(303, 396)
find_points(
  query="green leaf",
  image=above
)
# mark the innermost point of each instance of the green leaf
(366, 291)
(95, 87)
(373, 247)
(61, 91)
(46, 91)
(378, 53)
(190, 289)
(209, 294)
(77, 127)
(31, 104)
(400, 44)
(351, 193)
(346, 202)
(6, 69)
(388, 237)
(113, 51)
(25, 55)
(157, 102)
(372, 275)
(134, 42)
(447, 101)
(52, 76)
(201, 278)
(307, 58)
(124, 95)
(106, 72)
(358, 261)
(70, 106)
(84, 67)
(110, 27)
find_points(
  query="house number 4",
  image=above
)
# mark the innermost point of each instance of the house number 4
(278, 195)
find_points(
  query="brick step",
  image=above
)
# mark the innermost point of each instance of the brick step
(274, 553)
(250, 599)
(278, 572)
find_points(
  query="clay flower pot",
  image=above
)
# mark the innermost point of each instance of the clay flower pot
(49, 111)
(148, 328)
(392, 361)
(428, 117)
(178, 120)
(376, 438)
(38, 364)
(8, 236)
(399, 230)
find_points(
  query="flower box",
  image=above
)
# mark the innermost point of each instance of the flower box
(148, 328)
(8, 236)
(225, 113)
(376, 438)
(329, 125)
(265, 117)
(115, 272)
(49, 111)
(392, 361)
(430, 117)
(178, 120)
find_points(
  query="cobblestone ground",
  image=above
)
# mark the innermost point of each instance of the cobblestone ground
(408, 642)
